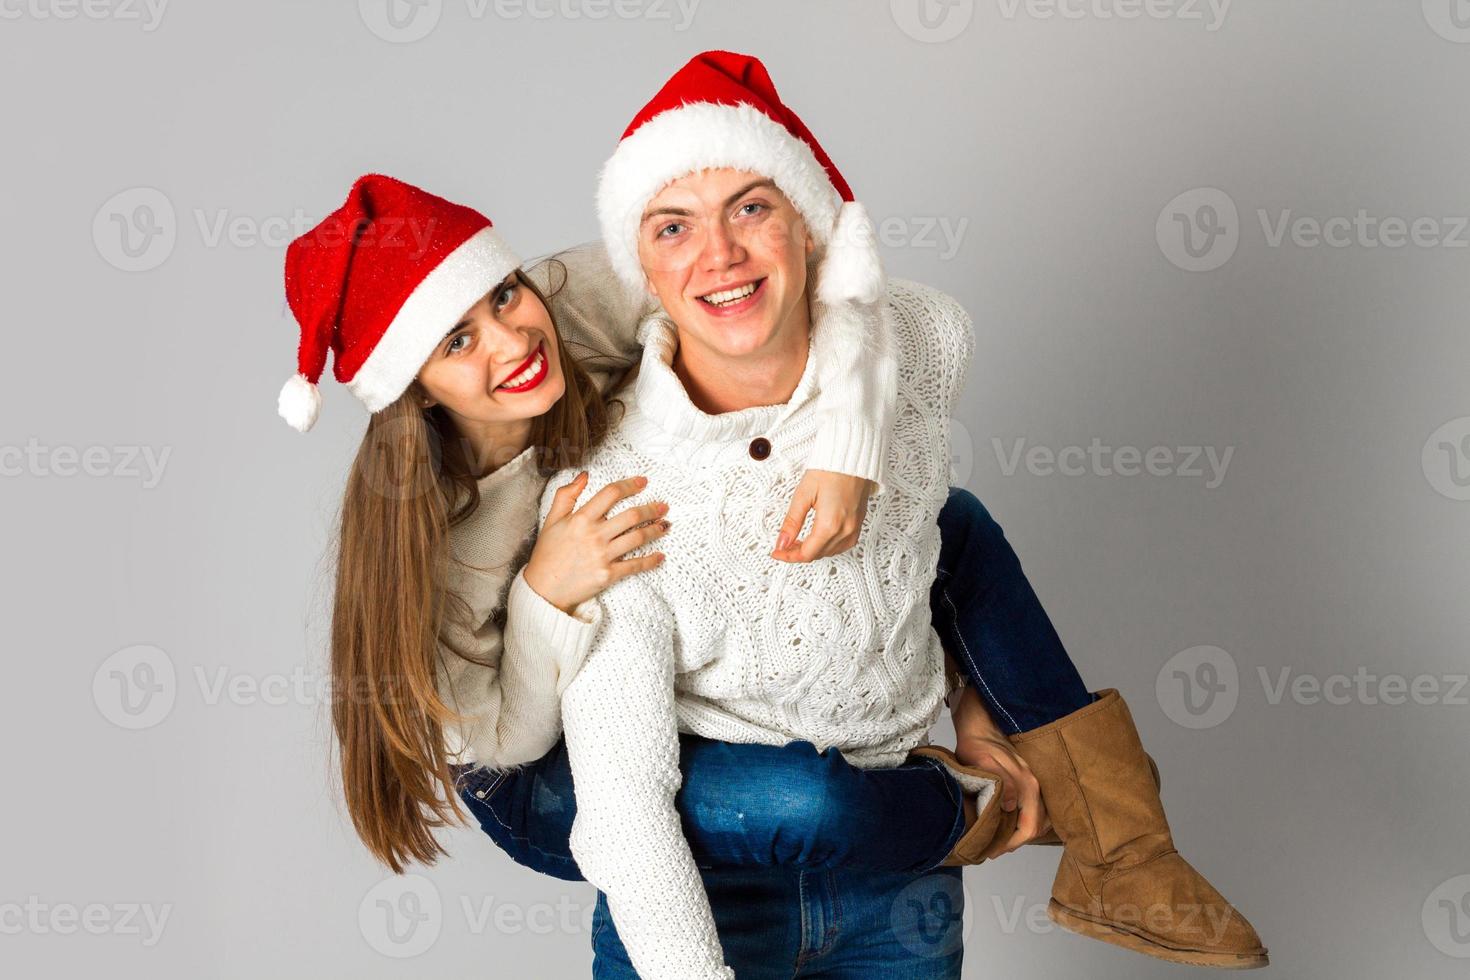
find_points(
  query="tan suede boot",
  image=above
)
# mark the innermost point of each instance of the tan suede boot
(1121, 880)
(1051, 838)
(984, 819)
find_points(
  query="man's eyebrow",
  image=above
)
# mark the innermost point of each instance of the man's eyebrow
(684, 212)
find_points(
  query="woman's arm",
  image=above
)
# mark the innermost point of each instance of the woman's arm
(622, 741)
(508, 683)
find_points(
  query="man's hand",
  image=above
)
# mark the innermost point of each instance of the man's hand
(978, 742)
(841, 503)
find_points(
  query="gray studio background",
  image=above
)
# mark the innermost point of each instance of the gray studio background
(1279, 588)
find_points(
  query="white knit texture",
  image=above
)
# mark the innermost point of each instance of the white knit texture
(506, 665)
(723, 641)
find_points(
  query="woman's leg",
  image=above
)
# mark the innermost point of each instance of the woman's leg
(744, 806)
(991, 622)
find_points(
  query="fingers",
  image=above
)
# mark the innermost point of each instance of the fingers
(636, 538)
(827, 537)
(628, 519)
(801, 504)
(566, 498)
(1021, 788)
(602, 501)
(632, 566)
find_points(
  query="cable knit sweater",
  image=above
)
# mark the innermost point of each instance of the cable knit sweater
(725, 642)
(505, 665)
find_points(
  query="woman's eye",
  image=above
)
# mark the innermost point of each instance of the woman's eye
(505, 296)
(454, 345)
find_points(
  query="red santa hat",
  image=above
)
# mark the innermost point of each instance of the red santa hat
(722, 110)
(378, 282)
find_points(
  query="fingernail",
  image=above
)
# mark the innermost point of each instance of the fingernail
(783, 541)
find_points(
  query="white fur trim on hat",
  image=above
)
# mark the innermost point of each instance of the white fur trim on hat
(702, 136)
(459, 281)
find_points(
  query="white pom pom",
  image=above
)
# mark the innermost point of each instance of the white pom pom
(851, 269)
(299, 403)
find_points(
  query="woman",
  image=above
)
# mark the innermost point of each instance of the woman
(403, 318)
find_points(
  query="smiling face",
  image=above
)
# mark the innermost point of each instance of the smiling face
(500, 364)
(726, 252)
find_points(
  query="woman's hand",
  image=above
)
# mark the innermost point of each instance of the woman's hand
(979, 742)
(841, 503)
(580, 553)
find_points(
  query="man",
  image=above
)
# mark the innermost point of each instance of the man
(716, 202)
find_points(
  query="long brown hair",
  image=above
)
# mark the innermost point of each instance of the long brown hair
(412, 479)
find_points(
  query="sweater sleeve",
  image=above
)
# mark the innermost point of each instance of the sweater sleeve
(622, 741)
(858, 377)
(509, 682)
(596, 314)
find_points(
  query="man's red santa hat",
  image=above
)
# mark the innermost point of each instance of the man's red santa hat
(379, 282)
(722, 110)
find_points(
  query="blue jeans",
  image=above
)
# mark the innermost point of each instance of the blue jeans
(989, 619)
(780, 924)
(802, 825)
(743, 806)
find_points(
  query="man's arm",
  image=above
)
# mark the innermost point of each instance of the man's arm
(622, 741)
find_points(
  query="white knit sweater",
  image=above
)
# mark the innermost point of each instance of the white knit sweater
(506, 664)
(723, 641)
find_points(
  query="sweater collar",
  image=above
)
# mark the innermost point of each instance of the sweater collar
(661, 397)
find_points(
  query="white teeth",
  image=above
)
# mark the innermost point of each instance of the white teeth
(528, 373)
(728, 296)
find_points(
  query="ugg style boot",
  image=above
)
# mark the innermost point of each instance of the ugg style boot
(984, 819)
(1051, 838)
(1121, 880)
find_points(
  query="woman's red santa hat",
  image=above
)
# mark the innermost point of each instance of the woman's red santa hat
(722, 110)
(378, 282)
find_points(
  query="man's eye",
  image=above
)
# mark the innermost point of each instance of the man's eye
(672, 226)
(756, 205)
